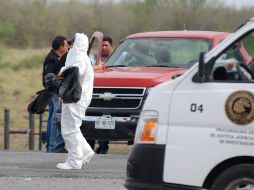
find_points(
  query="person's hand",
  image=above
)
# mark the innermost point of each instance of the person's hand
(99, 65)
(100, 62)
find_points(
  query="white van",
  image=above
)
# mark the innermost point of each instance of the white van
(197, 131)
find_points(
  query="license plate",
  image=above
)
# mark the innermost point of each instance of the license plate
(105, 123)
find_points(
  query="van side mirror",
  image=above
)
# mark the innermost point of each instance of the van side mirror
(201, 67)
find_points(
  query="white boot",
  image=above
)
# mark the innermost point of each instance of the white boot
(88, 157)
(67, 166)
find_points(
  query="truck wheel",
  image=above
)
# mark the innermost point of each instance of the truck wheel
(239, 177)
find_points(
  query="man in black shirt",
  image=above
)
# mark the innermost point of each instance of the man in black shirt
(55, 142)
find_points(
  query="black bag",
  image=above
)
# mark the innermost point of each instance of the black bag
(70, 90)
(38, 105)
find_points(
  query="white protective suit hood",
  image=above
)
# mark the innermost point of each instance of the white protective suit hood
(77, 56)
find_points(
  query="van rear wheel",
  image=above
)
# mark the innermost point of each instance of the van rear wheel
(239, 177)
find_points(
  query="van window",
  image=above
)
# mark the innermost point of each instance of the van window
(235, 63)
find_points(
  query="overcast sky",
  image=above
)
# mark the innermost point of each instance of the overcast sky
(239, 3)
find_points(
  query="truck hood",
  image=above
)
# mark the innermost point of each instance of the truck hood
(135, 76)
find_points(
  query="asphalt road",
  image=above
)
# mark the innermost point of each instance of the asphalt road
(37, 171)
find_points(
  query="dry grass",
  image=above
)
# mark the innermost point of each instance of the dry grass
(15, 56)
(17, 89)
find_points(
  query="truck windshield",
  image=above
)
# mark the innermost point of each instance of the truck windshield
(164, 52)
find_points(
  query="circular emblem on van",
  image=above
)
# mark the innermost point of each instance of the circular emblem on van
(240, 107)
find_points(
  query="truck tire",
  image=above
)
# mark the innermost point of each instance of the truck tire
(239, 177)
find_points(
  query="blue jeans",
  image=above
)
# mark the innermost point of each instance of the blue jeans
(55, 142)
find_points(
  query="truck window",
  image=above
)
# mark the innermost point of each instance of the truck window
(159, 52)
(235, 62)
(93, 51)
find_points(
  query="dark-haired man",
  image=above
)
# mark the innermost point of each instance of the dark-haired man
(107, 46)
(55, 142)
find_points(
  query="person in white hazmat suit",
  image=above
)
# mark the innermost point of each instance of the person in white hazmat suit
(79, 151)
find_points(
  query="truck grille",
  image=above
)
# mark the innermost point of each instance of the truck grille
(117, 98)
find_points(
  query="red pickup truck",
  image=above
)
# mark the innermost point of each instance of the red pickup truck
(140, 62)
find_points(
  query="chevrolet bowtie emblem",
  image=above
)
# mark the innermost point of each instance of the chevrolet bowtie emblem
(107, 96)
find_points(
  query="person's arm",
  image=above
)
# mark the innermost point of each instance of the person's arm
(49, 66)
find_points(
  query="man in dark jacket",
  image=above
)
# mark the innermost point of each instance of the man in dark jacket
(55, 142)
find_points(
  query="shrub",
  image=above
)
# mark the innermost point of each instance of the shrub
(30, 63)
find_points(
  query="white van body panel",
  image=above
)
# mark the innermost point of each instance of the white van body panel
(162, 95)
(190, 163)
(205, 137)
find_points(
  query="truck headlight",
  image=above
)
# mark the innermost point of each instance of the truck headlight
(147, 127)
